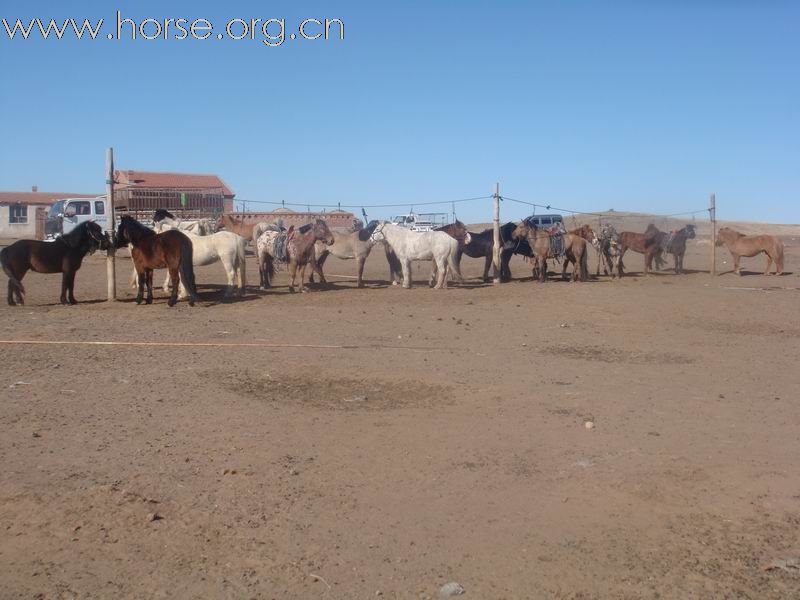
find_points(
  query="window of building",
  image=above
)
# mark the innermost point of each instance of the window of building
(18, 213)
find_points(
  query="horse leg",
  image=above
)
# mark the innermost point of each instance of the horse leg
(167, 283)
(292, 274)
(405, 265)
(769, 264)
(177, 284)
(318, 264)
(360, 262)
(149, 281)
(542, 269)
(303, 288)
(441, 280)
(70, 276)
(434, 274)
(736, 265)
(230, 271)
(142, 279)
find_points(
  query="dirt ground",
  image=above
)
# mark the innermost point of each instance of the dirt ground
(439, 437)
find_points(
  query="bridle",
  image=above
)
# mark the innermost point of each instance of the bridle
(378, 229)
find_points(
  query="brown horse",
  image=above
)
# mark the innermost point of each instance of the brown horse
(751, 245)
(587, 233)
(299, 251)
(643, 243)
(542, 245)
(237, 225)
(151, 250)
(675, 243)
(63, 255)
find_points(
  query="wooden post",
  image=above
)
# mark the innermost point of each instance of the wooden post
(496, 226)
(712, 212)
(111, 271)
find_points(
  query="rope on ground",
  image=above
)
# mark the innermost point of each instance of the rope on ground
(220, 345)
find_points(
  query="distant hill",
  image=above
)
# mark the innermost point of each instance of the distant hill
(630, 221)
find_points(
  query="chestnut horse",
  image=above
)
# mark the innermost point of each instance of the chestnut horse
(299, 251)
(237, 225)
(541, 244)
(751, 245)
(63, 255)
(151, 250)
(643, 243)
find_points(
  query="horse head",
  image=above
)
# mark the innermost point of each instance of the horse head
(99, 238)
(322, 232)
(161, 214)
(689, 232)
(521, 230)
(377, 236)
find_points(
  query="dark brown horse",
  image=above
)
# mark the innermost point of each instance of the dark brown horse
(481, 245)
(63, 255)
(643, 243)
(151, 250)
(675, 243)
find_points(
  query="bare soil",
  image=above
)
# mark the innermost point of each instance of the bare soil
(437, 436)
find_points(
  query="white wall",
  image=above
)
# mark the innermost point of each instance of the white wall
(18, 230)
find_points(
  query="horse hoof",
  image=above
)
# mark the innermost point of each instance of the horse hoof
(150, 301)
(73, 302)
(170, 302)
(191, 302)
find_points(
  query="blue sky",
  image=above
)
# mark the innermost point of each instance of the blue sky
(633, 105)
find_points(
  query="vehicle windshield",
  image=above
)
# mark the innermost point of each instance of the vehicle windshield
(56, 209)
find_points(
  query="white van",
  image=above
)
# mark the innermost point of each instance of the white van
(65, 215)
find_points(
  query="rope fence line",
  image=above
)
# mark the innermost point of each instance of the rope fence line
(406, 205)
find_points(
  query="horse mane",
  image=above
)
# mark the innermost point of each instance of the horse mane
(136, 231)
(365, 233)
(77, 236)
(304, 228)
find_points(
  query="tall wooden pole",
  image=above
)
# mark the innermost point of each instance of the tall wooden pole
(111, 271)
(712, 212)
(496, 226)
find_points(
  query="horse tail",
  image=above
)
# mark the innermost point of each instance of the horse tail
(186, 268)
(585, 263)
(779, 256)
(16, 285)
(241, 256)
(452, 264)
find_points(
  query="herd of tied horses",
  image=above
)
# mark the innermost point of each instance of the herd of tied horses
(179, 246)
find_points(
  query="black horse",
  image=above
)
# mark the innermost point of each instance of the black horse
(482, 246)
(63, 255)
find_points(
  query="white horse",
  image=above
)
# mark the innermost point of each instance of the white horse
(197, 227)
(223, 246)
(435, 246)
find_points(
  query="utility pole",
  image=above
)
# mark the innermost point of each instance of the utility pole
(496, 226)
(111, 271)
(712, 212)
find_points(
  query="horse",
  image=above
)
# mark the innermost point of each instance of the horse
(299, 251)
(197, 227)
(541, 243)
(457, 230)
(481, 245)
(641, 243)
(407, 245)
(675, 243)
(236, 225)
(63, 255)
(607, 246)
(223, 246)
(353, 245)
(751, 245)
(587, 233)
(150, 250)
